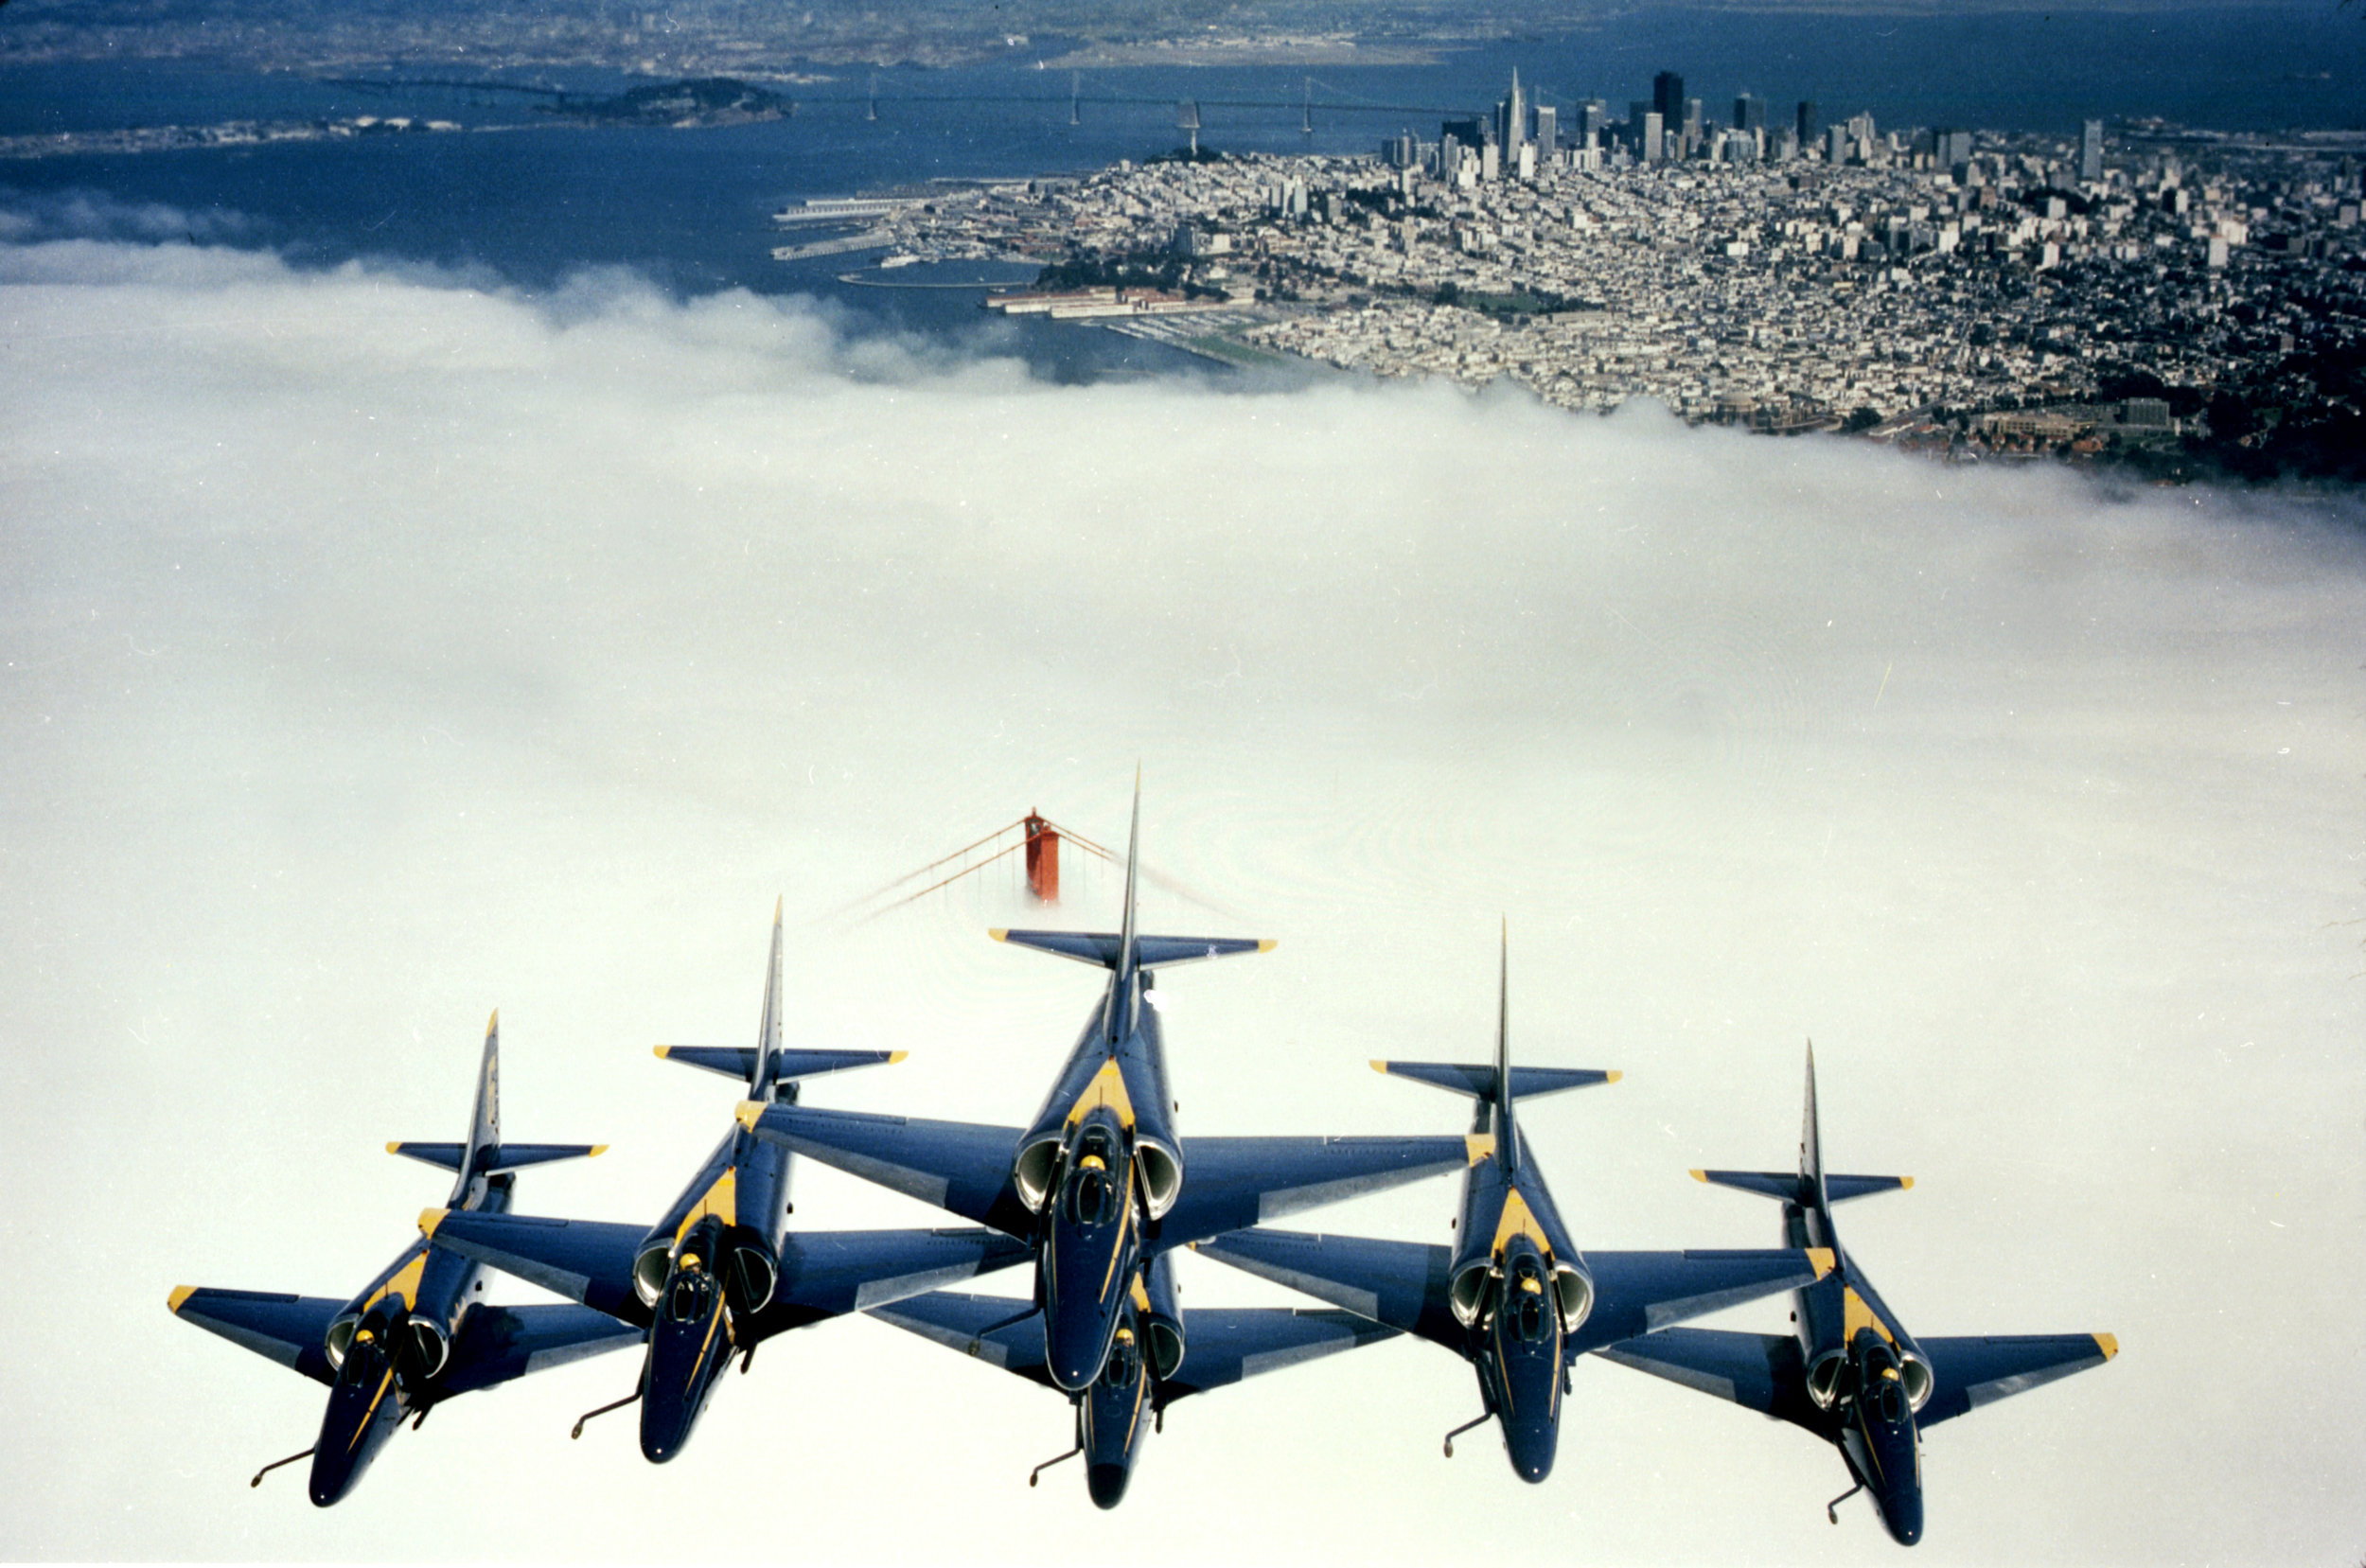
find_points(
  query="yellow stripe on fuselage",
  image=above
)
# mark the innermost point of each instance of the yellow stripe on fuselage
(383, 1384)
(1519, 1220)
(1107, 1089)
(403, 1286)
(1855, 1314)
(1125, 1218)
(721, 1199)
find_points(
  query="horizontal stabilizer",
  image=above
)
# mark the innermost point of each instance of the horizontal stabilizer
(501, 1156)
(1478, 1080)
(1785, 1185)
(739, 1061)
(1149, 952)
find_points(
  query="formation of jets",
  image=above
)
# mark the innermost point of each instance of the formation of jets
(1094, 1195)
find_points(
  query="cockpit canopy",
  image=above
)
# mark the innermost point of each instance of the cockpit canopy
(1524, 1299)
(1092, 1192)
(1125, 1361)
(1094, 1188)
(690, 1295)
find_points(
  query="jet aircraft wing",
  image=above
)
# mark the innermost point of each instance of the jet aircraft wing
(1401, 1285)
(1231, 1182)
(830, 1273)
(1760, 1372)
(823, 1272)
(1636, 1293)
(288, 1328)
(1967, 1373)
(977, 1326)
(1404, 1284)
(499, 1344)
(584, 1260)
(959, 1166)
(1228, 1344)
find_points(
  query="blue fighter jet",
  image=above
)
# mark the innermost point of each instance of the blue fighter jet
(720, 1274)
(1096, 1185)
(1850, 1373)
(1514, 1295)
(1145, 1371)
(418, 1334)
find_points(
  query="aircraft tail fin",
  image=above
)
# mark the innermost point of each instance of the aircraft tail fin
(1506, 1135)
(767, 1050)
(485, 1154)
(1811, 1143)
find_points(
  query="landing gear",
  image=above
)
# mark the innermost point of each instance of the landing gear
(1832, 1510)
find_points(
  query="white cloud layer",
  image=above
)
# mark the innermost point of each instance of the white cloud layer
(380, 649)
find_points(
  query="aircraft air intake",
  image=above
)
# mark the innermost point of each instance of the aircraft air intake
(1468, 1295)
(426, 1345)
(1826, 1377)
(751, 1273)
(1033, 1170)
(1916, 1373)
(649, 1269)
(338, 1339)
(1161, 1171)
(1573, 1289)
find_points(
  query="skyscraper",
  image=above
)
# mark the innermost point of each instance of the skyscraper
(2090, 151)
(1511, 117)
(1668, 96)
(1548, 130)
(1748, 113)
(1810, 125)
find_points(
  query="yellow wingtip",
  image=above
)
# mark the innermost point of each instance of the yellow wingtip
(1266, 945)
(662, 1052)
(1379, 1065)
(896, 1056)
(999, 933)
(1613, 1076)
(1478, 1146)
(2109, 1344)
(597, 1149)
(1822, 1259)
(430, 1218)
(749, 1113)
(1700, 1176)
(393, 1147)
(173, 1301)
(493, 1024)
(777, 901)
(1905, 1184)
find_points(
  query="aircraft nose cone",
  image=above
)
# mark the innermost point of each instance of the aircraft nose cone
(1902, 1516)
(1107, 1484)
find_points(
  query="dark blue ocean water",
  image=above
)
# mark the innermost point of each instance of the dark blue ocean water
(536, 201)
